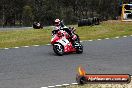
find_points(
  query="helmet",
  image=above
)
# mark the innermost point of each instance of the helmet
(57, 22)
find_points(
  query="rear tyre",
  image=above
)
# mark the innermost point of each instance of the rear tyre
(58, 49)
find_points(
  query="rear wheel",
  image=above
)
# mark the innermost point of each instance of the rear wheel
(58, 49)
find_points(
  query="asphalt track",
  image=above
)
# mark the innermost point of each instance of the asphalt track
(36, 67)
(21, 28)
(15, 28)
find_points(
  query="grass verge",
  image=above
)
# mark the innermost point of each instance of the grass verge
(24, 37)
(108, 29)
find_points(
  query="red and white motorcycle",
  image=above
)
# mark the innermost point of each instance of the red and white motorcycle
(62, 45)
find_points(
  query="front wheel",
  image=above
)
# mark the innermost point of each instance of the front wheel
(79, 49)
(58, 49)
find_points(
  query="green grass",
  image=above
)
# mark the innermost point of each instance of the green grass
(108, 29)
(24, 37)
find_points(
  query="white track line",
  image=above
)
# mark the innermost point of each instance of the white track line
(66, 84)
(6, 48)
(74, 83)
(107, 38)
(58, 85)
(117, 37)
(90, 40)
(48, 44)
(25, 46)
(16, 47)
(99, 39)
(124, 36)
(51, 86)
(35, 45)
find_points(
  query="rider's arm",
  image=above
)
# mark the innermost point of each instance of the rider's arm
(62, 24)
(68, 31)
(54, 31)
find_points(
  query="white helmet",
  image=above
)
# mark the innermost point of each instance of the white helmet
(57, 22)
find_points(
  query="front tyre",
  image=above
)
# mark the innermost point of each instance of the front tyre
(58, 49)
(79, 49)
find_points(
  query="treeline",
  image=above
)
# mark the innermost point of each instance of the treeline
(25, 12)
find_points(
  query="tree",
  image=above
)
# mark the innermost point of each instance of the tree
(25, 12)
(27, 15)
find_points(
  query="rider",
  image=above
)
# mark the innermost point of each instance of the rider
(59, 25)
